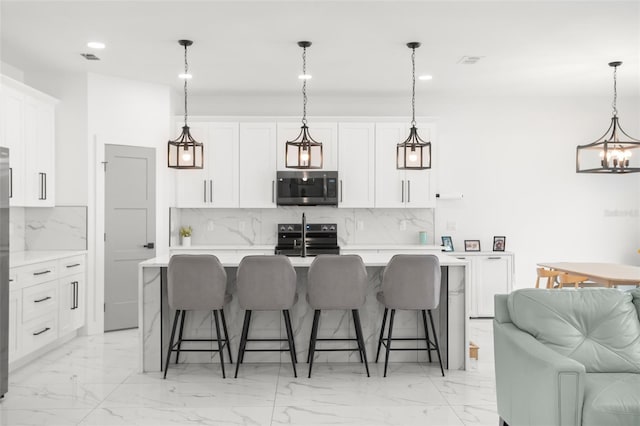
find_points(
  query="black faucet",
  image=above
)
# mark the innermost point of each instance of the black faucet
(304, 236)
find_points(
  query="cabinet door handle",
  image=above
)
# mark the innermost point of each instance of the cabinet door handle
(273, 191)
(408, 191)
(37, 333)
(205, 190)
(211, 190)
(44, 186)
(42, 300)
(402, 191)
(494, 258)
(42, 272)
(340, 190)
(73, 266)
(10, 182)
(41, 186)
(73, 295)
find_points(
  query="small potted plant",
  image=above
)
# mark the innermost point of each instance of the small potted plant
(185, 233)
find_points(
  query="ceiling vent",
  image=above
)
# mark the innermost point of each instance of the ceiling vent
(90, 56)
(469, 60)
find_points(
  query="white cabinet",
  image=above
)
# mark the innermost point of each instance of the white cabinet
(71, 294)
(327, 133)
(491, 274)
(216, 185)
(28, 129)
(356, 165)
(258, 165)
(15, 314)
(401, 188)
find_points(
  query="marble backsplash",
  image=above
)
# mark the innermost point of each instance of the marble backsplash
(55, 228)
(258, 226)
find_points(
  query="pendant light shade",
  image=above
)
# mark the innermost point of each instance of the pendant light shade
(185, 152)
(414, 153)
(613, 152)
(303, 152)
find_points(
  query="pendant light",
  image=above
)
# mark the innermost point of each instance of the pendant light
(185, 152)
(612, 152)
(303, 152)
(414, 153)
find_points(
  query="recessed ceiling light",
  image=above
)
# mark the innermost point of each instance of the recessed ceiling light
(425, 77)
(304, 76)
(96, 45)
(185, 76)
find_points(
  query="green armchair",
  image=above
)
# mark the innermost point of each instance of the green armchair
(568, 357)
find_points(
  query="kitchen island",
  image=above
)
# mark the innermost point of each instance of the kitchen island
(451, 316)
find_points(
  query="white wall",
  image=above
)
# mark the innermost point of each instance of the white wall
(513, 158)
(123, 112)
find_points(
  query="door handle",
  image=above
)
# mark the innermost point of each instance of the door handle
(205, 190)
(149, 245)
(10, 182)
(341, 190)
(402, 186)
(408, 191)
(211, 190)
(273, 191)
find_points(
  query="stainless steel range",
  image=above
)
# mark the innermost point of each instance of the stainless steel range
(319, 238)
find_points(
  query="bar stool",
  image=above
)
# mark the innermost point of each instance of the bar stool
(410, 282)
(197, 283)
(266, 283)
(337, 283)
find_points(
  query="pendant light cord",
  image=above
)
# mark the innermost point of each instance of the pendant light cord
(615, 91)
(186, 71)
(304, 86)
(413, 96)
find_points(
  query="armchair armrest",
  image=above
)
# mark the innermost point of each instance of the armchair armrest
(535, 385)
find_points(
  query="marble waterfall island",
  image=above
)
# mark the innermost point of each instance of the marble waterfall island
(451, 317)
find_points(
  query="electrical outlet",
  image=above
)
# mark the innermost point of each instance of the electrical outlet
(210, 225)
(360, 225)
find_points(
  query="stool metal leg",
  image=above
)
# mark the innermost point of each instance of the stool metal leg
(386, 359)
(435, 338)
(384, 322)
(426, 333)
(184, 314)
(243, 341)
(173, 334)
(226, 335)
(354, 313)
(358, 327)
(287, 323)
(312, 342)
(220, 344)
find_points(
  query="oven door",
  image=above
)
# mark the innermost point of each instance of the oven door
(307, 188)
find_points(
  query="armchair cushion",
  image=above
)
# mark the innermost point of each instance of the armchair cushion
(597, 328)
(611, 399)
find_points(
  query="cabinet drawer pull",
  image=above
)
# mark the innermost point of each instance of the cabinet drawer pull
(42, 273)
(10, 280)
(73, 266)
(461, 258)
(42, 300)
(494, 258)
(37, 333)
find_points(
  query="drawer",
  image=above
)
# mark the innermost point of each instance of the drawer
(39, 332)
(37, 273)
(71, 265)
(39, 299)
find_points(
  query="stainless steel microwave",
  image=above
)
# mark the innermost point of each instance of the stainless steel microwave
(307, 188)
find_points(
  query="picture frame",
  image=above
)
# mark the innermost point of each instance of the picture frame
(471, 245)
(499, 243)
(447, 243)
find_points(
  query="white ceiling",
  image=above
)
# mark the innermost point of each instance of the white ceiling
(543, 47)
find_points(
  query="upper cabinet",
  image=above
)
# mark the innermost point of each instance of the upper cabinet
(356, 165)
(401, 188)
(258, 165)
(216, 185)
(28, 130)
(327, 133)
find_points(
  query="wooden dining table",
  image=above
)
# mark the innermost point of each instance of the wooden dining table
(607, 274)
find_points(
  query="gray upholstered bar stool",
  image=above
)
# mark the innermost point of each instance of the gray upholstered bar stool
(266, 283)
(197, 283)
(412, 282)
(337, 283)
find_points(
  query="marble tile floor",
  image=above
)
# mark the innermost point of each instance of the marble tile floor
(94, 381)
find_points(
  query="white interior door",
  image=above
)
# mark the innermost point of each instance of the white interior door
(129, 229)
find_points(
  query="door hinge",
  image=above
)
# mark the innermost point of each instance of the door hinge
(104, 165)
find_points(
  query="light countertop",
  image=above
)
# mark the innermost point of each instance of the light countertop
(270, 247)
(370, 259)
(21, 258)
